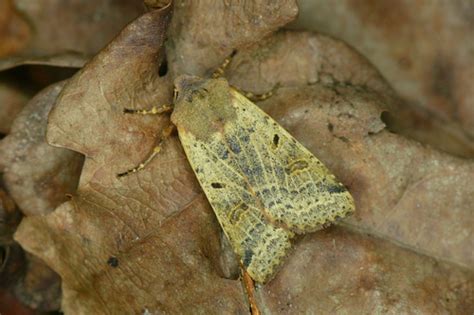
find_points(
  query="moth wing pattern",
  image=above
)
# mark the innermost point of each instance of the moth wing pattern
(263, 185)
(296, 189)
(260, 245)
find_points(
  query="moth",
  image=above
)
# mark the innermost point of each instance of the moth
(263, 185)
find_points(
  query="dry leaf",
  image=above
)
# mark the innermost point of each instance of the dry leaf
(150, 243)
(29, 29)
(209, 37)
(398, 183)
(14, 30)
(12, 100)
(424, 49)
(338, 271)
(37, 175)
(39, 287)
(10, 217)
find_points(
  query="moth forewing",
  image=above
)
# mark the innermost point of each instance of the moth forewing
(299, 192)
(262, 184)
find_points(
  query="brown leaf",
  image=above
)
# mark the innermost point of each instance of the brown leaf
(425, 52)
(338, 271)
(404, 191)
(14, 30)
(203, 33)
(10, 217)
(30, 34)
(39, 287)
(12, 100)
(149, 242)
(154, 241)
(37, 175)
(10, 305)
(20, 84)
(29, 279)
(12, 264)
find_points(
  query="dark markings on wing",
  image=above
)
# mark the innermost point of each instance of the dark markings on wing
(263, 179)
(247, 259)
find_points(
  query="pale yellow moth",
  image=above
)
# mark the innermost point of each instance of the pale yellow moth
(263, 185)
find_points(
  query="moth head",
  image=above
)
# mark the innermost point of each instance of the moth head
(194, 90)
(202, 106)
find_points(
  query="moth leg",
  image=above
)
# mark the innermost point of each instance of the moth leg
(155, 110)
(258, 97)
(165, 133)
(219, 72)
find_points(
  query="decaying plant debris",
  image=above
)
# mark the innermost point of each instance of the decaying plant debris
(60, 33)
(150, 243)
(423, 49)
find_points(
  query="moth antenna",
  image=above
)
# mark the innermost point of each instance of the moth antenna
(219, 72)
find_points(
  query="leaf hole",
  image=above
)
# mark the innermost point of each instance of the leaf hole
(390, 121)
(163, 69)
(113, 261)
